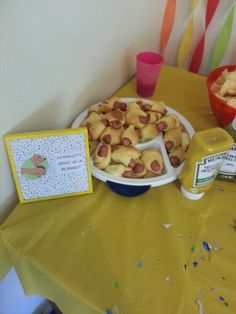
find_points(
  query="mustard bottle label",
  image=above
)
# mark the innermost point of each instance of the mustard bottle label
(228, 166)
(207, 169)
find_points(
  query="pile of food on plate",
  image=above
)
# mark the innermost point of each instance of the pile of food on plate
(115, 127)
(225, 87)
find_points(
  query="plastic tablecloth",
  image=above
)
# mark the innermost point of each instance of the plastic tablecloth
(154, 253)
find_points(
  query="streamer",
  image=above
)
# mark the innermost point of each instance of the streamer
(223, 39)
(198, 53)
(186, 40)
(167, 23)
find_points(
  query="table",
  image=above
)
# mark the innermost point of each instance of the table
(155, 253)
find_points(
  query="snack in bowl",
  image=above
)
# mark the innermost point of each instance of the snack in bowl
(136, 139)
(134, 157)
(221, 86)
(225, 87)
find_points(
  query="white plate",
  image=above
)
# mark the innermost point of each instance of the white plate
(170, 173)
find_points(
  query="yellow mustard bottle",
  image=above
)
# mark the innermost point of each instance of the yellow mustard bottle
(205, 155)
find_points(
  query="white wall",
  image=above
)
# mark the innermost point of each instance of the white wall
(56, 58)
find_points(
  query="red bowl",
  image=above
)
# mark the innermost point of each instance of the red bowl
(224, 113)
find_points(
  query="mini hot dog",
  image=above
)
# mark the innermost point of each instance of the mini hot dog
(129, 136)
(154, 116)
(153, 160)
(148, 132)
(111, 136)
(177, 156)
(134, 106)
(96, 129)
(120, 105)
(102, 156)
(168, 122)
(139, 169)
(119, 170)
(137, 118)
(157, 106)
(115, 117)
(185, 140)
(107, 105)
(91, 118)
(126, 155)
(172, 139)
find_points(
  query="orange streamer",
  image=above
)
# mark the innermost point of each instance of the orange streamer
(167, 23)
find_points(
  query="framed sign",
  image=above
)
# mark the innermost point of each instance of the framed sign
(50, 164)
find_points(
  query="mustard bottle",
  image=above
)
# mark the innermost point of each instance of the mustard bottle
(205, 155)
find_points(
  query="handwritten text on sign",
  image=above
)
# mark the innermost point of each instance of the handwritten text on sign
(67, 163)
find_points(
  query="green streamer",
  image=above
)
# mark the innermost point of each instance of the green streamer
(222, 40)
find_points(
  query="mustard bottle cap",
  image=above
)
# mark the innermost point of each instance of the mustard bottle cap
(189, 195)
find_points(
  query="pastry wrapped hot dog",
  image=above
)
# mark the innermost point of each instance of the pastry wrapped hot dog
(119, 170)
(153, 160)
(113, 103)
(120, 105)
(134, 106)
(168, 122)
(107, 105)
(177, 156)
(102, 156)
(125, 155)
(130, 136)
(137, 118)
(172, 139)
(115, 117)
(154, 116)
(91, 118)
(111, 136)
(185, 140)
(96, 129)
(148, 132)
(157, 106)
(139, 169)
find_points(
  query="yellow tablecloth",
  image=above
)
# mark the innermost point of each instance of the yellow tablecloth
(155, 253)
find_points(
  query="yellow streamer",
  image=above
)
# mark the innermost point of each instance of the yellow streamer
(187, 37)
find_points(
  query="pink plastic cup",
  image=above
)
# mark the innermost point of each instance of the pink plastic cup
(148, 66)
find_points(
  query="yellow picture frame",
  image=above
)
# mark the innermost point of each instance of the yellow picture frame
(50, 164)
